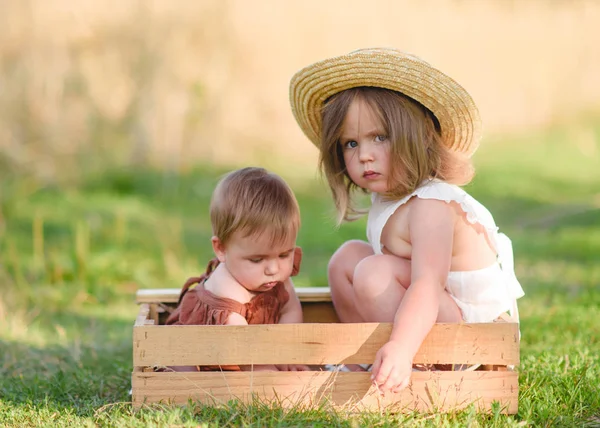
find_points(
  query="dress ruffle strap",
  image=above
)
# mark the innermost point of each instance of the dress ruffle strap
(507, 263)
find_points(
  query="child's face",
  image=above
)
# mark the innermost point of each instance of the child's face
(255, 262)
(366, 148)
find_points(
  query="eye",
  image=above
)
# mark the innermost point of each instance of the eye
(350, 144)
(255, 260)
(381, 138)
(284, 255)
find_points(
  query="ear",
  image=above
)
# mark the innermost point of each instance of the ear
(218, 248)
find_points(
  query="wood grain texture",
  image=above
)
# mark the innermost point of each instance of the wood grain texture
(488, 343)
(143, 314)
(171, 295)
(428, 392)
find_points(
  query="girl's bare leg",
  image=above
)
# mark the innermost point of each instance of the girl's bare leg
(380, 283)
(369, 288)
(340, 274)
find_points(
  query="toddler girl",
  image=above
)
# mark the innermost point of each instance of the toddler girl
(255, 220)
(389, 124)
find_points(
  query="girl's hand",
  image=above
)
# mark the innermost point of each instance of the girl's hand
(392, 368)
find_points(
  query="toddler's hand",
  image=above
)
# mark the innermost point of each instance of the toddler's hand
(392, 368)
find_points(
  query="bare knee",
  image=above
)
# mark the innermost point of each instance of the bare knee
(345, 259)
(379, 283)
(374, 275)
(340, 272)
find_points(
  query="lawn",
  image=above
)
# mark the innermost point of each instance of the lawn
(73, 253)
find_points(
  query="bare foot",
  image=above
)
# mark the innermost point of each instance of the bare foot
(358, 367)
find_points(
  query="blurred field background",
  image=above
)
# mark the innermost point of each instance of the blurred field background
(117, 118)
(173, 83)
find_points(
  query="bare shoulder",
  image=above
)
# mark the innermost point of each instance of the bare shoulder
(424, 210)
(431, 209)
(430, 217)
(289, 286)
(224, 286)
(293, 296)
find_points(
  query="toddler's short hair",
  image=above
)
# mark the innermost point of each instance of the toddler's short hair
(253, 200)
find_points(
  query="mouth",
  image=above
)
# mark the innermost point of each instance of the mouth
(270, 284)
(369, 175)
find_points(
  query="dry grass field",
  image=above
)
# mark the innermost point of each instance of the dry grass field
(175, 82)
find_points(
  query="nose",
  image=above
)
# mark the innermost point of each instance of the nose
(272, 267)
(365, 152)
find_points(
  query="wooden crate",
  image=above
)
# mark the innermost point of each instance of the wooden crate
(320, 340)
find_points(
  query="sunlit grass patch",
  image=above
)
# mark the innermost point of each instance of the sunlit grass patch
(72, 258)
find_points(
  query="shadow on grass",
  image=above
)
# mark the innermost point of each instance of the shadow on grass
(88, 369)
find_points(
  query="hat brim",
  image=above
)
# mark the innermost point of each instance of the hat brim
(454, 108)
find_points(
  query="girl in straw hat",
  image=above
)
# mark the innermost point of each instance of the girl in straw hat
(390, 124)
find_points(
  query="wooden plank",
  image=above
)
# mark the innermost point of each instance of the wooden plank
(489, 343)
(428, 391)
(143, 314)
(313, 294)
(158, 295)
(153, 315)
(171, 295)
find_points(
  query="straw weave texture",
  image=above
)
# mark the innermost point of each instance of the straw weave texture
(392, 69)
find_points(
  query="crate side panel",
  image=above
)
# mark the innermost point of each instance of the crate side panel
(319, 312)
(157, 295)
(493, 343)
(428, 392)
(313, 294)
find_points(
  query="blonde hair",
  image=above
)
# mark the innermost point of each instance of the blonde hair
(417, 152)
(254, 201)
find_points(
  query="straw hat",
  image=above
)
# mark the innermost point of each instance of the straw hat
(392, 69)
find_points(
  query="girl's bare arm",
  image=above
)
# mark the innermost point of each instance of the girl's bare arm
(431, 227)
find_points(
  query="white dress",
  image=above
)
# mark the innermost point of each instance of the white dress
(482, 295)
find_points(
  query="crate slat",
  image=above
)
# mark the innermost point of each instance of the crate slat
(489, 343)
(171, 295)
(428, 392)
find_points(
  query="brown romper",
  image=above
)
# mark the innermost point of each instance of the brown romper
(198, 306)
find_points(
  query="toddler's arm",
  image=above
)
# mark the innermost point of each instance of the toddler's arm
(292, 310)
(431, 227)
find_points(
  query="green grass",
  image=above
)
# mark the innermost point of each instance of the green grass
(73, 255)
